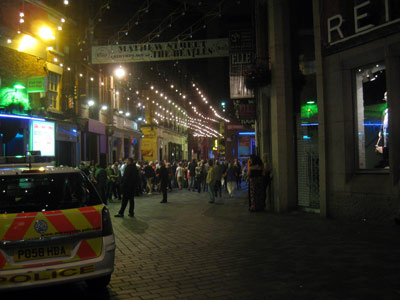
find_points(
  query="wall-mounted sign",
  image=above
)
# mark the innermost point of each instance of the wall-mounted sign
(129, 124)
(160, 51)
(343, 21)
(42, 137)
(241, 58)
(37, 84)
(245, 111)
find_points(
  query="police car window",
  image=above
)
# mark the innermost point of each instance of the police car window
(44, 192)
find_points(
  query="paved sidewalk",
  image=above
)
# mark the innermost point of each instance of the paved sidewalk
(190, 249)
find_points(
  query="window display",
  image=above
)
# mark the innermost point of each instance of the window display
(372, 117)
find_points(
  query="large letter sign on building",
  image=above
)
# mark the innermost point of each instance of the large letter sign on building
(347, 20)
(43, 137)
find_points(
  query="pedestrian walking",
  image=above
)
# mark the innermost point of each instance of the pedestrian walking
(169, 169)
(192, 174)
(224, 183)
(218, 179)
(256, 185)
(205, 172)
(198, 176)
(179, 175)
(150, 175)
(109, 182)
(211, 181)
(116, 181)
(231, 179)
(163, 177)
(238, 171)
(129, 180)
(100, 176)
(173, 172)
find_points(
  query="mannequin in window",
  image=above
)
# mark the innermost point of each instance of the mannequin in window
(382, 143)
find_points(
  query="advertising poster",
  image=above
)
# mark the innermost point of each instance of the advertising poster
(43, 137)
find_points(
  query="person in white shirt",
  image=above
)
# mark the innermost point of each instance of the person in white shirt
(179, 175)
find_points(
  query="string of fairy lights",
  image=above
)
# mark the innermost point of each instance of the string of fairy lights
(166, 109)
(170, 112)
(168, 22)
(197, 91)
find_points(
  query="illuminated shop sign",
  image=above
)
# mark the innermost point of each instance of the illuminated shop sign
(42, 137)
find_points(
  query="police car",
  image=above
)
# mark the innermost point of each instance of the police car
(54, 228)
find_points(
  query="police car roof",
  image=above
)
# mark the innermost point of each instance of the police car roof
(36, 168)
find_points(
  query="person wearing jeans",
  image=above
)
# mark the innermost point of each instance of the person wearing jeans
(192, 173)
(211, 181)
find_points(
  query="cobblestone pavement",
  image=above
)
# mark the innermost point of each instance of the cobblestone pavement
(190, 249)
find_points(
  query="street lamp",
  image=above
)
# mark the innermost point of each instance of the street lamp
(46, 33)
(91, 103)
(120, 72)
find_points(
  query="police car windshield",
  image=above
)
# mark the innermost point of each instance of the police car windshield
(44, 192)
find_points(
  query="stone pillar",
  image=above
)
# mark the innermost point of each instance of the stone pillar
(321, 110)
(263, 129)
(282, 123)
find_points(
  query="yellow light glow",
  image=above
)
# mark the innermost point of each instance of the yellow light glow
(26, 42)
(46, 33)
(120, 72)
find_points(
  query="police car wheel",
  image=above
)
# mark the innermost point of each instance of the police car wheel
(100, 282)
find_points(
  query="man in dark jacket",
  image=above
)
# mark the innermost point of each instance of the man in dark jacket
(163, 178)
(192, 174)
(101, 182)
(129, 180)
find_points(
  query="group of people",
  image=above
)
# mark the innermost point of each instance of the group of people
(256, 173)
(124, 180)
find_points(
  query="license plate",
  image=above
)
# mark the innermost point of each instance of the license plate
(34, 253)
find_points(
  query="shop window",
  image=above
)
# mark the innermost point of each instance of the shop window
(52, 96)
(371, 116)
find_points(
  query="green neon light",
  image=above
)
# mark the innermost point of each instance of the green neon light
(308, 110)
(16, 95)
(311, 102)
(19, 87)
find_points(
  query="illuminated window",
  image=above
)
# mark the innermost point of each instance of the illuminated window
(372, 116)
(53, 81)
